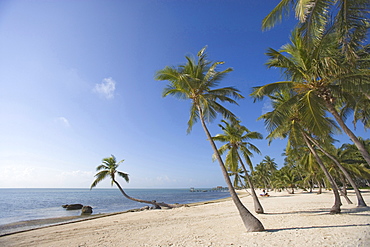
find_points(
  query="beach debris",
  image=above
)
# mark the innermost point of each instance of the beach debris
(72, 206)
(86, 210)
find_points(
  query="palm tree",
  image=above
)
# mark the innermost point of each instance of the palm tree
(319, 79)
(262, 176)
(196, 81)
(236, 137)
(347, 17)
(287, 121)
(108, 168)
(238, 178)
(301, 160)
(360, 200)
(288, 178)
(337, 203)
(270, 164)
(354, 163)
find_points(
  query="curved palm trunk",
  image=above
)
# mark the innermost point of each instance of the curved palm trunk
(154, 203)
(350, 134)
(251, 223)
(337, 203)
(343, 192)
(360, 199)
(339, 190)
(257, 205)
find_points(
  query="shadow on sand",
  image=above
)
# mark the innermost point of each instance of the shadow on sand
(313, 227)
(322, 211)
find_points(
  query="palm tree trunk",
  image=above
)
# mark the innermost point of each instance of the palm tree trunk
(154, 203)
(360, 199)
(251, 223)
(257, 205)
(351, 135)
(320, 188)
(337, 203)
(343, 192)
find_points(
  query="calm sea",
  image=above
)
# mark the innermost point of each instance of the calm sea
(20, 205)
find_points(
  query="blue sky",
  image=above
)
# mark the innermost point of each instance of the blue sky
(77, 86)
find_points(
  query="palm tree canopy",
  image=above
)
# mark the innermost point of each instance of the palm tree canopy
(237, 139)
(108, 168)
(350, 18)
(197, 80)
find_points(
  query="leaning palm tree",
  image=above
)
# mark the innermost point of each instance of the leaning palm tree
(360, 200)
(197, 81)
(108, 168)
(236, 137)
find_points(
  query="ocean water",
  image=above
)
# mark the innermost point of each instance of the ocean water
(19, 205)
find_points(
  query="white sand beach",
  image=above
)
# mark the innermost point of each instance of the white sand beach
(301, 219)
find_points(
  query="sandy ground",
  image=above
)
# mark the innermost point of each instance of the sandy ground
(301, 219)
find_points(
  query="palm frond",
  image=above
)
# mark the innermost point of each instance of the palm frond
(276, 15)
(99, 177)
(123, 175)
(269, 89)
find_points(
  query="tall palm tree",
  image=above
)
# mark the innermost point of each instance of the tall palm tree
(319, 79)
(108, 169)
(196, 81)
(236, 137)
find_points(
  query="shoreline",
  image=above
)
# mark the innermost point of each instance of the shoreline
(301, 219)
(30, 225)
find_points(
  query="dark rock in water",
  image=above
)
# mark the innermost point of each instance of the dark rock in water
(145, 208)
(86, 210)
(72, 206)
(64, 206)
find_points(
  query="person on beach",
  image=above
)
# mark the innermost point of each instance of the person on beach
(264, 193)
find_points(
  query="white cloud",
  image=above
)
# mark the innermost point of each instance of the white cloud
(267, 107)
(106, 88)
(64, 121)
